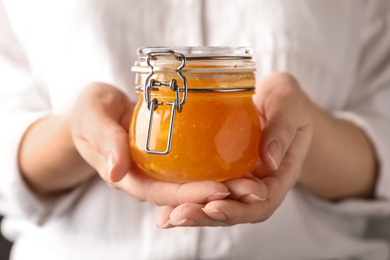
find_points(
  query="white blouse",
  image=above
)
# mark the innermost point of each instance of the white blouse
(49, 50)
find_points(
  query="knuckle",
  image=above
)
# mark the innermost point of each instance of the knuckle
(101, 144)
(110, 139)
(289, 131)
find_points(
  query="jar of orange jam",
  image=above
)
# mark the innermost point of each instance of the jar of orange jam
(195, 118)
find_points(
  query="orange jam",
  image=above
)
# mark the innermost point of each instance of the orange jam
(214, 137)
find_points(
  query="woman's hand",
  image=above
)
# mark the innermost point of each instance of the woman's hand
(101, 118)
(286, 117)
(100, 122)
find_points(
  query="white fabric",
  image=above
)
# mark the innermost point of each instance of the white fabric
(339, 51)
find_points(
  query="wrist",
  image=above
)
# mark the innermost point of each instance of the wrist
(340, 162)
(48, 159)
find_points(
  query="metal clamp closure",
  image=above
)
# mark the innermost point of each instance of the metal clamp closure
(177, 104)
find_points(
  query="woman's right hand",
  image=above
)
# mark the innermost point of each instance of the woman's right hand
(100, 122)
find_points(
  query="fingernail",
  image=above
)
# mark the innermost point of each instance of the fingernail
(255, 198)
(217, 196)
(275, 154)
(183, 222)
(163, 225)
(215, 214)
(110, 166)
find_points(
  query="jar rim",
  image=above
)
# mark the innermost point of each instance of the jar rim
(202, 52)
(203, 59)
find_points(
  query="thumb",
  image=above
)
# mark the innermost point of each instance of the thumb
(276, 139)
(117, 154)
(281, 105)
(99, 129)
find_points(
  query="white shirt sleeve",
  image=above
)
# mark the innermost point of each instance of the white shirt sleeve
(22, 101)
(369, 108)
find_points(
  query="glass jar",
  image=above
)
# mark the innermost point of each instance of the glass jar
(195, 118)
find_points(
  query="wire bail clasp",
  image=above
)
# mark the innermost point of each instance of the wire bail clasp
(177, 104)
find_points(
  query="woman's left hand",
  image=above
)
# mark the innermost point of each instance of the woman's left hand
(285, 114)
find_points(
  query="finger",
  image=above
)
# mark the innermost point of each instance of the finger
(231, 212)
(115, 146)
(227, 211)
(110, 137)
(98, 130)
(142, 187)
(105, 147)
(260, 170)
(291, 168)
(218, 213)
(192, 214)
(163, 218)
(284, 112)
(247, 189)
